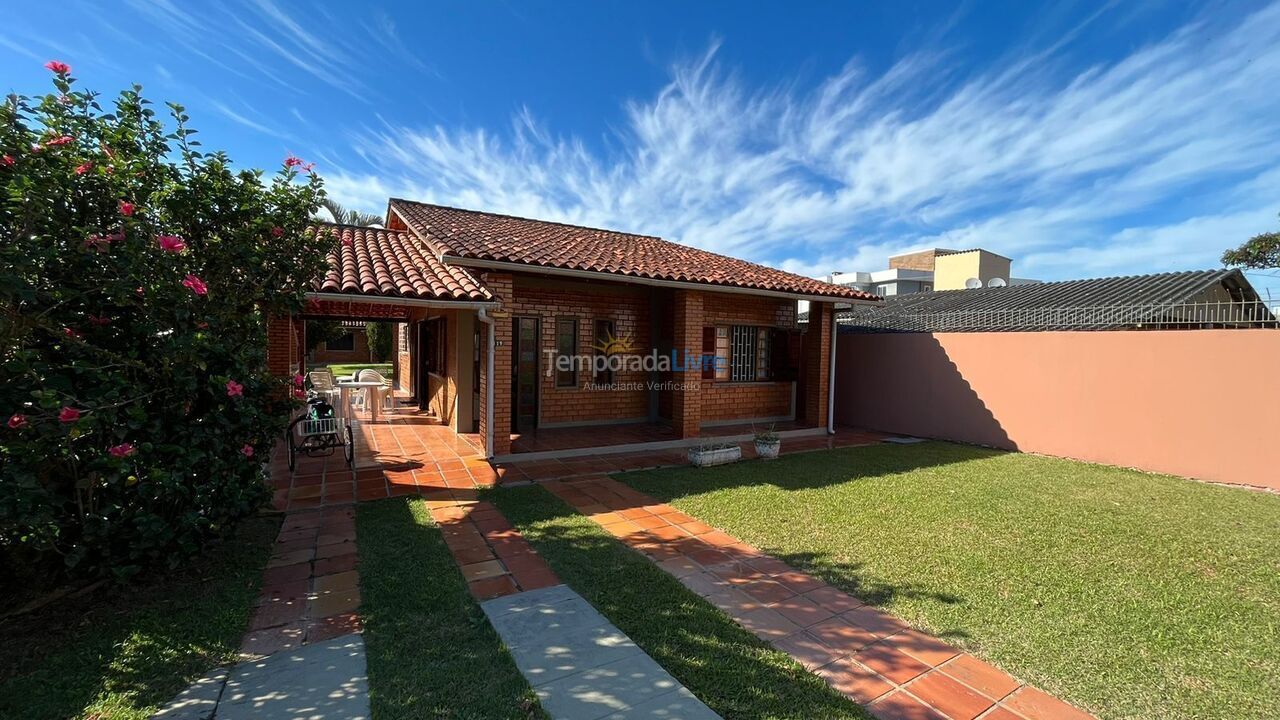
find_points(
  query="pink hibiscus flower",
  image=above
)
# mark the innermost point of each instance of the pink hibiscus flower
(84, 168)
(292, 161)
(17, 420)
(58, 67)
(69, 414)
(247, 450)
(60, 140)
(7, 160)
(298, 380)
(123, 450)
(275, 231)
(171, 243)
(126, 208)
(196, 285)
(234, 389)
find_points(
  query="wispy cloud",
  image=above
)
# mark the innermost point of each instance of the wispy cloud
(1058, 170)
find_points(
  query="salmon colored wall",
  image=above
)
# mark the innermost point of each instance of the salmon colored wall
(1197, 403)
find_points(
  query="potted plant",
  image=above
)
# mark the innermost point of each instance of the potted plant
(768, 443)
(709, 454)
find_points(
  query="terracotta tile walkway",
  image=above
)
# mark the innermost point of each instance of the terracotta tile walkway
(494, 558)
(310, 589)
(870, 656)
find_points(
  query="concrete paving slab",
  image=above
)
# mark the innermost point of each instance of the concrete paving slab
(580, 665)
(198, 701)
(324, 681)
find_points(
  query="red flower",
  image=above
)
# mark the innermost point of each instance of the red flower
(247, 450)
(126, 208)
(298, 380)
(102, 243)
(309, 167)
(196, 285)
(84, 168)
(299, 394)
(99, 320)
(292, 161)
(69, 414)
(58, 67)
(123, 450)
(7, 160)
(171, 243)
(60, 140)
(234, 389)
(17, 421)
(70, 333)
(275, 231)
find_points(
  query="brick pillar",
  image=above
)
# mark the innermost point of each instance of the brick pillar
(686, 336)
(280, 346)
(500, 374)
(816, 364)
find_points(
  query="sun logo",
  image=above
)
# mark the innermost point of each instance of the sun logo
(615, 345)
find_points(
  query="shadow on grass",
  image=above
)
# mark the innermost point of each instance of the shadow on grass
(121, 652)
(724, 665)
(430, 649)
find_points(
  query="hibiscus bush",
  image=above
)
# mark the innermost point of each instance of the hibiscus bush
(137, 274)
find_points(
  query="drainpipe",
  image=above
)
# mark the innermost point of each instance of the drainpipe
(482, 315)
(831, 379)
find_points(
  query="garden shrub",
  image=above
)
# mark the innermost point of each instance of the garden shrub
(137, 274)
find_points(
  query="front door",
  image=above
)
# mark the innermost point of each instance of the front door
(524, 386)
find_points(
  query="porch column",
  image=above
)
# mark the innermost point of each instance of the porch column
(281, 345)
(686, 335)
(816, 364)
(501, 285)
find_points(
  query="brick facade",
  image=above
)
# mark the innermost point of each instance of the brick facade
(815, 364)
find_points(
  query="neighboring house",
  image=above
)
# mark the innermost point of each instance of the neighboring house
(351, 347)
(1176, 300)
(934, 269)
(512, 323)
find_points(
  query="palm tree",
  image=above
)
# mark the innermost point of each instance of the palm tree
(343, 216)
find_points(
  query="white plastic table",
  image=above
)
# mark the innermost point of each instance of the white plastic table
(345, 398)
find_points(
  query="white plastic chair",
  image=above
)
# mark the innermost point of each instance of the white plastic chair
(322, 382)
(381, 394)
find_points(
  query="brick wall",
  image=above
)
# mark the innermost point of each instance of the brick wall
(687, 321)
(284, 345)
(500, 284)
(359, 352)
(743, 401)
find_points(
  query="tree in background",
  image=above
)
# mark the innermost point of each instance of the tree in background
(137, 275)
(343, 216)
(1260, 251)
(379, 337)
(319, 331)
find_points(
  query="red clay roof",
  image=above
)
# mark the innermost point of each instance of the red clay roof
(389, 263)
(504, 238)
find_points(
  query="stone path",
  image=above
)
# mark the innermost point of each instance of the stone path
(581, 666)
(870, 656)
(304, 656)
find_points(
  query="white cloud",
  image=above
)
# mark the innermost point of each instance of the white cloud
(1069, 174)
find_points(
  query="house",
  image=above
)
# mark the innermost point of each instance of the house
(534, 337)
(1174, 300)
(934, 269)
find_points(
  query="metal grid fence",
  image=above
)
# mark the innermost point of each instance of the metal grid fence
(1142, 316)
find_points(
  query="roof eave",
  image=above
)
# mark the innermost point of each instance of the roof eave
(638, 280)
(397, 300)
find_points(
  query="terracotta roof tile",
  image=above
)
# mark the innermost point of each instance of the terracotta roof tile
(389, 263)
(487, 236)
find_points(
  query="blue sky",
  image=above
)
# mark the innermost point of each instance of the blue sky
(1081, 139)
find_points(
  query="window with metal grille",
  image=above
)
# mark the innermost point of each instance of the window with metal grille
(566, 347)
(742, 364)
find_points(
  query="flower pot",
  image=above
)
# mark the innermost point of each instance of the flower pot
(768, 449)
(706, 457)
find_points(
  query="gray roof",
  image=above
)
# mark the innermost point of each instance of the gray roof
(1177, 299)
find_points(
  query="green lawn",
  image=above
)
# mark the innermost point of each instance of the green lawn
(1130, 594)
(728, 668)
(121, 653)
(387, 370)
(431, 651)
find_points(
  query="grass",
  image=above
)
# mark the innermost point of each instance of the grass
(728, 668)
(431, 651)
(387, 370)
(1130, 594)
(122, 652)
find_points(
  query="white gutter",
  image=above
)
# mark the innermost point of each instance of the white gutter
(603, 276)
(831, 379)
(488, 400)
(411, 302)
